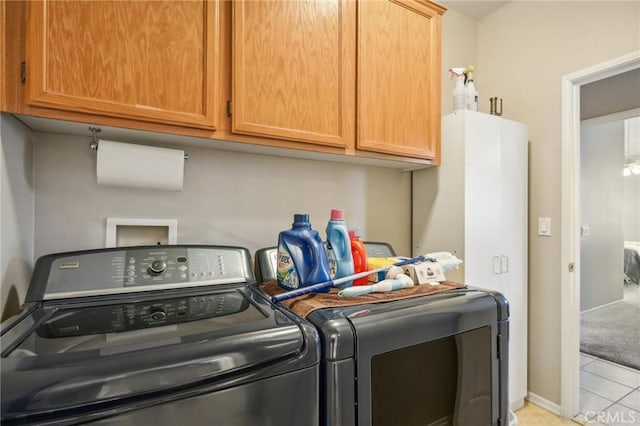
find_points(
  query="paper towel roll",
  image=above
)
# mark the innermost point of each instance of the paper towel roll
(139, 166)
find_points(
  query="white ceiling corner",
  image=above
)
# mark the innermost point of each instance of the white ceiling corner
(477, 9)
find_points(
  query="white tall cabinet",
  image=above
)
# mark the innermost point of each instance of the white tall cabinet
(475, 204)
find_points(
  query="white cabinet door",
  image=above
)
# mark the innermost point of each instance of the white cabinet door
(514, 247)
(482, 200)
(496, 226)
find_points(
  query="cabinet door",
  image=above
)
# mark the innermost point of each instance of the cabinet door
(293, 72)
(483, 201)
(143, 60)
(514, 247)
(399, 77)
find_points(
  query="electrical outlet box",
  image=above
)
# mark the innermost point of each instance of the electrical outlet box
(126, 232)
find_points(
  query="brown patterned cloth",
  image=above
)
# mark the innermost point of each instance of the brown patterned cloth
(304, 305)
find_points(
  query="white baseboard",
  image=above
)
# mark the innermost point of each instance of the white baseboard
(544, 403)
(602, 306)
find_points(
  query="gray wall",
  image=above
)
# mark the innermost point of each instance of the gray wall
(16, 213)
(631, 202)
(601, 207)
(610, 95)
(228, 198)
(631, 208)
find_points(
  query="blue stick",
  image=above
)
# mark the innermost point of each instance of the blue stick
(315, 288)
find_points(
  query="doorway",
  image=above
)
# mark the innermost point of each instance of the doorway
(570, 219)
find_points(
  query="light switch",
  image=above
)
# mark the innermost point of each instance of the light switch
(584, 231)
(544, 226)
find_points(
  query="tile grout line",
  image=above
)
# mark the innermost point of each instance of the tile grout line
(611, 380)
(617, 402)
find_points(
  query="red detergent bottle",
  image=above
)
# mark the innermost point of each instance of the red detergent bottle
(359, 254)
(302, 260)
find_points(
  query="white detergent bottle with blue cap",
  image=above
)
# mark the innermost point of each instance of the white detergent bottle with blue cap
(339, 248)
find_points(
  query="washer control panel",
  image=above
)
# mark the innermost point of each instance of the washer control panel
(146, 314)
(113, 271)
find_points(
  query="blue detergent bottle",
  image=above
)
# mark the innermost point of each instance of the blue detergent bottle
(302, 260)
(339, 248)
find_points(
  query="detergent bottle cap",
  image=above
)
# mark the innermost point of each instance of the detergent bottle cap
(300, 218)
(337, 214)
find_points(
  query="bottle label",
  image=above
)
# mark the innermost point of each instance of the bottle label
(333, 263)
(287, 274)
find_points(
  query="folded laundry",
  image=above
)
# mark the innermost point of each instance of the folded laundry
(447, 260)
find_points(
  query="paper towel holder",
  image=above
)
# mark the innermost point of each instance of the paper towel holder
(94, 142)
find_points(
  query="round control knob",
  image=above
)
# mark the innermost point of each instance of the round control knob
(157, 314)
(157, 267)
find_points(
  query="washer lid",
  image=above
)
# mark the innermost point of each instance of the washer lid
(46, 376)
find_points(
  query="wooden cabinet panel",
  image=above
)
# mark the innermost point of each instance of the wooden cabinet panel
(289, 67)
(399, 77)
(293, 70)
(154, 61)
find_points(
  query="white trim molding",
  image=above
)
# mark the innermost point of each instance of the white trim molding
(570, 220)
(543, 403)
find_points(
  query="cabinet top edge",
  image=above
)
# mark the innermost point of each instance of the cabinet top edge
(435, 6)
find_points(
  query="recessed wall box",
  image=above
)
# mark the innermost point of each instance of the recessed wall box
(122, 232)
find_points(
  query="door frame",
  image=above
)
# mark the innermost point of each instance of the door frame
(570, 224)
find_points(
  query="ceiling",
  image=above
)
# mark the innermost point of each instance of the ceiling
(475, 9)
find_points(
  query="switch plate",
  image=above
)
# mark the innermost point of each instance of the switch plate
(544, 226)
(584, 231)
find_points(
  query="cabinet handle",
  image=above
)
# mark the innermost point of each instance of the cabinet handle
(497, 265)
(504, 264)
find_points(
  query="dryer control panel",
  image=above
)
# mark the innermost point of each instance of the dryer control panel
(135, 269)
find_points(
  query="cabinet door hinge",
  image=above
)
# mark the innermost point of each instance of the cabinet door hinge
(23, 73)
(228, 108)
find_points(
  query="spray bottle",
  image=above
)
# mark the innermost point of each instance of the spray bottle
(472, 93)
(459, 92)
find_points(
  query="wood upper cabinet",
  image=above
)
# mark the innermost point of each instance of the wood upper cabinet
(152, 61)
(293, 70)
(399, 77)
(352, 77)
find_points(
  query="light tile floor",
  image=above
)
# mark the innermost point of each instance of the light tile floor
(609, 393)
(609, 396)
